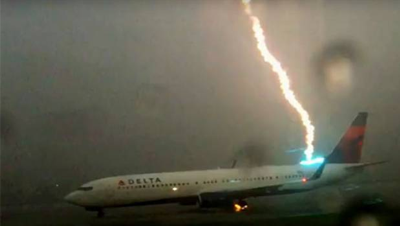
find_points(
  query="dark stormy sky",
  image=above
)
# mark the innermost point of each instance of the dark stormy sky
(92, 89)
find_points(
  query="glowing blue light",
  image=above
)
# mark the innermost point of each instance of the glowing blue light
(317, 160)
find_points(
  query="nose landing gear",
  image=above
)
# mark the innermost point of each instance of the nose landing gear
(100, 213)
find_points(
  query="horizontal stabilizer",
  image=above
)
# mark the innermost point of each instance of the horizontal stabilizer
(363, 165)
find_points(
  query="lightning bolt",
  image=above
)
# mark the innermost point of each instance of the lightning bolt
(283, 79)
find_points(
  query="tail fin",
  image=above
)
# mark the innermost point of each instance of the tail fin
(349, 148)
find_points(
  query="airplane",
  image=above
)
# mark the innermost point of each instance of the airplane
(226, 187)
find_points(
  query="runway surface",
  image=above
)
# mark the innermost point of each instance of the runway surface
(317, 208)
(161, 215)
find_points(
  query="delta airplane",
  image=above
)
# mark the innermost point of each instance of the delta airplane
(226, 187)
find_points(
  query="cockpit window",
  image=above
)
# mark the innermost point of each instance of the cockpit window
(85, 188)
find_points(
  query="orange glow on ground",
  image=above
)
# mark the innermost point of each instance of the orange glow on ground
(237, 208)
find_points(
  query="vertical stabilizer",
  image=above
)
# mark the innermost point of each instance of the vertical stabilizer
(349, 148)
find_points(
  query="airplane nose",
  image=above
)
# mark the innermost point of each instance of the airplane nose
(72, 198)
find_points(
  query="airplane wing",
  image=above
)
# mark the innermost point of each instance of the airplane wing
(240, 194)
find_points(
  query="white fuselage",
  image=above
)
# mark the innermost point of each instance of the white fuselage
(173, 186)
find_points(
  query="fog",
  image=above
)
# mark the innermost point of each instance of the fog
(92, 89)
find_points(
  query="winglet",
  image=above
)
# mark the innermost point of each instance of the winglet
(234, 163)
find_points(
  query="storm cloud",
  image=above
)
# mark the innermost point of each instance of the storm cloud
(92, 89)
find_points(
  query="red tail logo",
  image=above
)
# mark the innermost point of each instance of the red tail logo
(349, 149)
(351, 144)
